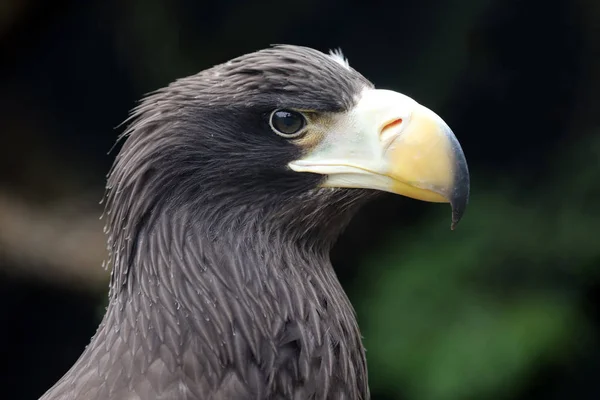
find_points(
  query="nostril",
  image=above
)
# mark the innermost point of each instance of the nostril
(388, 130)
(391, 124)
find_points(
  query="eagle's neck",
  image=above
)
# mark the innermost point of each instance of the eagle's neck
(244, 313)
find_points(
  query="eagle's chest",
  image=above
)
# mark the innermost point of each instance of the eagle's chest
(244, 347)
(231, 354)
(267, 340)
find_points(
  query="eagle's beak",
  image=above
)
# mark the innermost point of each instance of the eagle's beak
(390, 142)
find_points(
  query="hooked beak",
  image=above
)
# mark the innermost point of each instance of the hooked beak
(390, 142)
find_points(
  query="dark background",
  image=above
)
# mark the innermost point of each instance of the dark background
(506, 307)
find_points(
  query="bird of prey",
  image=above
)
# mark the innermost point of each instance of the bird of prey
(221, 209)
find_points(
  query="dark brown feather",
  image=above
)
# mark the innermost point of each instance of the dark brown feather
(221, 284)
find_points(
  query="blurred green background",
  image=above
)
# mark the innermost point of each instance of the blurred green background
(505, 307)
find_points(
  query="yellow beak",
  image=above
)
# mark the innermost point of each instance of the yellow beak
(390, 142)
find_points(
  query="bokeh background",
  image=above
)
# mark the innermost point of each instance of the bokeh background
(505, 307)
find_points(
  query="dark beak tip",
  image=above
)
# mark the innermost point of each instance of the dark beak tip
(460, 198)
(462, 186)
(457, 214)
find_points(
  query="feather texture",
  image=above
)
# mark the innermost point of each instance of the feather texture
(221, 286)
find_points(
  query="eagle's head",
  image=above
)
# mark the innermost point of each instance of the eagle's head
(286, 139)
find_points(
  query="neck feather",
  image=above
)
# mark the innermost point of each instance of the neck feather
(249, 302)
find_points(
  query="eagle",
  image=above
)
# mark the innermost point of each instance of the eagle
(222, 205)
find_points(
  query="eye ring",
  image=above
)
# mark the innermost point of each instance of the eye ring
(287, 123)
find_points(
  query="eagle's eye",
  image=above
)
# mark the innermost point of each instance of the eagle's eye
(287, 123)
